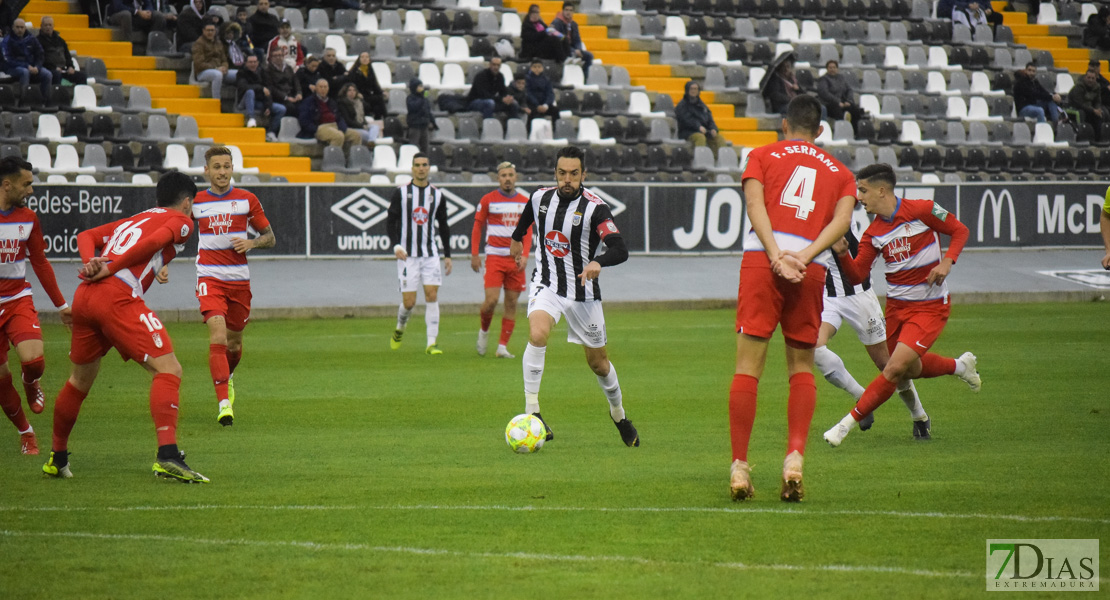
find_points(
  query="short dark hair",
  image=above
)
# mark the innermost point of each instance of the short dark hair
(13, 165)
(567, 5)
(572, 152)
(536, 60)
(804, 113)
(173, 187)
(832, 62)
(880, 173)
(421, 155)
(1027, 65)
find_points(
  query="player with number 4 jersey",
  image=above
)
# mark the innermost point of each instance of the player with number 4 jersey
(121, 260)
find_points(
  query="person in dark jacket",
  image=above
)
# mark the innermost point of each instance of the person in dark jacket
(351, 109)
(7, 17)
(1031, 100)
(333, 70)
(373, 98)
(541, 94)
(695, 120)
(782, 87)
(1097, 32)
(279, 78)
(190, 24)
(308, 75)
(23, 57)
(257, 99)
(488, 92)
(320, 119)
(55, 54)
(1086, 98)
(576, 50)
(125, 15)
(419, 118)
(834, 90)
(264, 25)
(538, 40)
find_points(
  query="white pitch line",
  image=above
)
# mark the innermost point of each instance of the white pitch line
(577, 558)
(633, 509)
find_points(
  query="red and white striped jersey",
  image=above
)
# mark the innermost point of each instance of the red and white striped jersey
(221, 219)
(910, 247)
(500, 214)
(138, 247)
(21, 240)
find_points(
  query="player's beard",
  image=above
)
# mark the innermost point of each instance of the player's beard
(565, 195)
(19, 202)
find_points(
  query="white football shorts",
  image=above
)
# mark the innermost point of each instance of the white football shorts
(415, 271)
(585, 320)
(861, 311)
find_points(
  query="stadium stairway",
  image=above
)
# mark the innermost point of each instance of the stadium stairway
(741, 131)
(166, 93)
(1040, 37)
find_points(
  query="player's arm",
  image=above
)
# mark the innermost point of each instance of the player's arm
(476, 234)
(393, 225)
(761, 225)
(140, 252)
(616, 251)
(444, 228)
(1104, 226)
(523, 227)
(36, 253)
(947, 224)
(836, 229)
(265, 239)
(857, 269)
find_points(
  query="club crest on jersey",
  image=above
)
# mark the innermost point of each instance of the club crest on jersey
(577, 220)
(420, 215)
(557, 244)
(233, 205)
(184, 231)
(157, 339)
(21, 231)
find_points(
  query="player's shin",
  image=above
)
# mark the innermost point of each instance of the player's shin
(164, 391)
(741, 413)
(11, 404)
(908, 393)
(221, 371)
(878, 391)
(507, 326)
(487, 318)
(935, 365)
(832, 367)
(66, 407)
(612, 389)
(533, 362)
(233, 358)
(799, 410)
(431, 320)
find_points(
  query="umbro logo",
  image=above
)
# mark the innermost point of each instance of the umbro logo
(363, 209)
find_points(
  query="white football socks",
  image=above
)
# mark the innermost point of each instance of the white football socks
(431, 319)
(832, 367)
(612, 389)
(533, 374)
(403, 315)
(961, 368)
(908, 393)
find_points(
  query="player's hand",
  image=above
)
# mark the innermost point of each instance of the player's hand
(939, 273)
(163, 275)
(66, 315)
(92, 268)
(400, 253)
(516, 250)
(242, 245)
(523, 262)
(789, 267)
(590, 273)
(476, 263)
(840, 246)
(1106, 261)
(446, 266)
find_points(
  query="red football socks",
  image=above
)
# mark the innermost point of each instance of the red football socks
(163, 407)
(33, 370)
(799, 410)
(66, 407)
(741, 413)
(935, 365)
(221, 370)
(878, 391)
(487, 318)
(12, 404)
(233, 359)
(507, 326)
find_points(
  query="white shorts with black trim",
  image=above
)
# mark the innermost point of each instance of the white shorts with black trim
(415, 271)
(585, 320)
(861, 311)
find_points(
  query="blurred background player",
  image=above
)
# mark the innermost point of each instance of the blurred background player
(21, 241)
(1104, 228)
(224, 215)
(799, 200)
(120, 262)
(500, 211)
(572, 223)
(417, 213)
(858, 305)
(905, 235)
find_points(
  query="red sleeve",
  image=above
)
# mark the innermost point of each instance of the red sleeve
(36, 253)
(90, 241)
(181, 227)
(258, 218)
(857, 269)
(143, 250)
(949, 226)
(479, 221)
(849, 188)
(754, 170)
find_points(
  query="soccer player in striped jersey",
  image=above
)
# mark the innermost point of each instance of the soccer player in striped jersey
(224, 215)
(121, 260)
(21, 242)
(417, 214)
(799, 201)
(917, 307)
(572, 223)
(499, 211)
(857, 305)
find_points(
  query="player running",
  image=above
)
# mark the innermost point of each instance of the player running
(799, 202)
(224, 215)
(572, 223)
(905, 235)
(21, 241)
(499, 211)
(856, 304)
(120, 262)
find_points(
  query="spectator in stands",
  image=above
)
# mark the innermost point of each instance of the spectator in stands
(1097, 33)
(23, 57)
(782, 87)
(373, 98)
(1103, 83)
(294, 50)
(264, 25)
(136, 14)
(333, 70)
(488, 92)
(541, 94)
(210, 59)
(282, 81)
(56, 56)
(256, 99)
(576, 50)
(231, 34)
(1086, 98)
(834, 90)
(309, 74)
(7, 17)
(518, 90)
(974, 14)
(419, 116)
(538, 40)
(351, 108)
(1032, 100)
(245, 26)
(190, 24)
(695, 120)
(320, 119)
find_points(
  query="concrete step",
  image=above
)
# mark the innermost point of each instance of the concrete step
(264, 149)
(86, 35)
(173, 91)
(234, 135)
(48, 7)
(102, 49)
(736, 123)
(129, 62)
(623, 58)
(308, 177)
(607, 45)
(219, 119)
(62, 21)
(1044, 42)
(143, 77)
(751, 139)
(647, 70)
(278, 165)
(189, 106)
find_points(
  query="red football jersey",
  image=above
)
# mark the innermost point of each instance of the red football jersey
(138, 246)
(21, 240)
(910, 247)
(220, 219)
(500, 213)
(801, 186)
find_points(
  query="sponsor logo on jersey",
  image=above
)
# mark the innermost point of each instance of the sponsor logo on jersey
(219, 224)
(898, 250)
(9, 249)
(157, 339)
(420, 215)
(557, 244)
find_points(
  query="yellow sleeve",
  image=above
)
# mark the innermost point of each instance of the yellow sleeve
(1106, 205)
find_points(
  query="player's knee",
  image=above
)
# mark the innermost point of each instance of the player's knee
(169, 367)
(824, 359)
(33, 369)
(599, 364)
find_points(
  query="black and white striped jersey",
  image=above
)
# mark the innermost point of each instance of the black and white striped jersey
(836, 283)
(416, 215)
(569, 233)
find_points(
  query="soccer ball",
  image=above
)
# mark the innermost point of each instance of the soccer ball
(525, 434)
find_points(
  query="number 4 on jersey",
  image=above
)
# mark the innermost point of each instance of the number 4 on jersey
(798, 192)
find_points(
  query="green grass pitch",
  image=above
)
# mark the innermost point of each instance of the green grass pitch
(353, 471)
